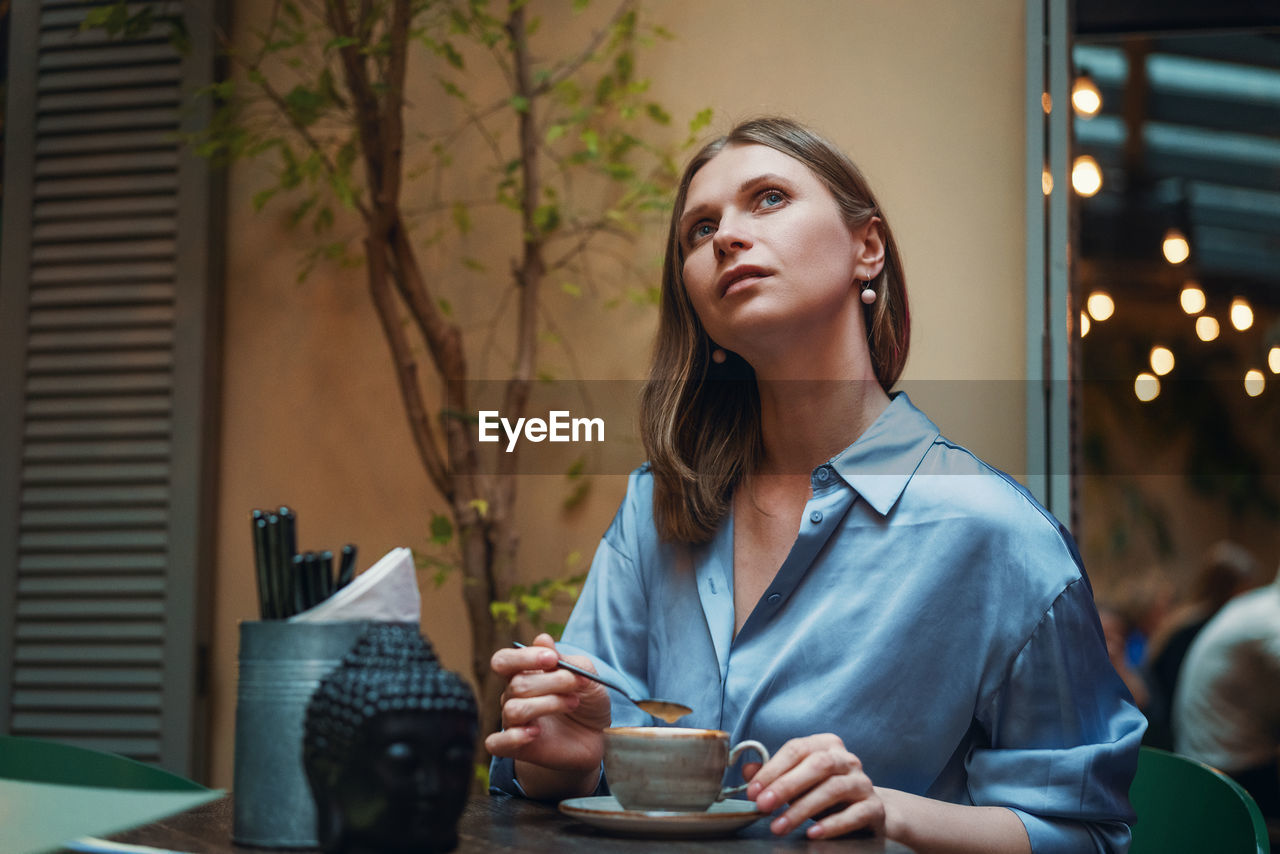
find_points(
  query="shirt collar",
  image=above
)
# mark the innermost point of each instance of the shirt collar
(882, 460)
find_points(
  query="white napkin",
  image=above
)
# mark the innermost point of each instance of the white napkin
(386, 591)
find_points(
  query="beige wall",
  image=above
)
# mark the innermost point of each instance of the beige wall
(926, 94)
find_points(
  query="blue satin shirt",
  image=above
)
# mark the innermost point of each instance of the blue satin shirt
(930, 613)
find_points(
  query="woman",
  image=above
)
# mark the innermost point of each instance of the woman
(806, 562)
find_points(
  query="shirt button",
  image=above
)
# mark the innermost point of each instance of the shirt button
(823, 474)
(815, 517)
(775, 598)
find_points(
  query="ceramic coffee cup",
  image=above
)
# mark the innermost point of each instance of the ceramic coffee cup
(671, 768)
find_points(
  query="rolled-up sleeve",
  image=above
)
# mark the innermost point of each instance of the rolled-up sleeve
(1063, 736)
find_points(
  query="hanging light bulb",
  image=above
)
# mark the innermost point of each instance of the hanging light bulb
(1046, 103)
(1084, 328)
(1146, 387)
(1176, 247)
(1100, 305)
(1086, 176)
(1241, 314)
(1046, 181)
(1192, 298)
(1273, 360)
(1206, 327)
(1085, 97)
(1161, 360)
(1254, 382)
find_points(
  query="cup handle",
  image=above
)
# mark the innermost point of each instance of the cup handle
(733, 757)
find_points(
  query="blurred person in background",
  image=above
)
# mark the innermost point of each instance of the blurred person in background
(1116, 629)
(1226, 570)
(1226, 712)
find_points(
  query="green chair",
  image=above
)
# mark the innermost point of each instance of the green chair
(38, 761)
(1186, 807)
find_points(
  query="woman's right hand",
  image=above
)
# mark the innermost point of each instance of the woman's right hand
(551, 719)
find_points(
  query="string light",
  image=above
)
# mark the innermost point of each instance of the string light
(1206, 327)
(1085, 97)
(1176, 248)
(1086, 176)
(1100, 305)
(1146, 387)
(1161, 360)
(1273, 360)
(1046, 103)
(1046, 181)
(1084, 330)
(1241, 314)
(1192, 298)
(1254, 382)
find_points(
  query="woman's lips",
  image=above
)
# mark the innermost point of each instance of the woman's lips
(736, 277)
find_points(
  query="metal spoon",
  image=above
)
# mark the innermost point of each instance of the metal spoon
(665, 709)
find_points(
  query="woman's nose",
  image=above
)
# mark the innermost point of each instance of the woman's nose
(731, 235)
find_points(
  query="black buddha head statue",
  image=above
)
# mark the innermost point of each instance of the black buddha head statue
(389, 748)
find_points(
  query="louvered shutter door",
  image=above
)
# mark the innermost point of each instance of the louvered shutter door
(107, 317)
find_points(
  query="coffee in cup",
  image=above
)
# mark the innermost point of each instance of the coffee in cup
(671, 768)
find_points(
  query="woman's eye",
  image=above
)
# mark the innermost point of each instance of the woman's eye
(772, 198)
(701, 230)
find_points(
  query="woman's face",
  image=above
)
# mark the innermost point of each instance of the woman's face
(767, 251)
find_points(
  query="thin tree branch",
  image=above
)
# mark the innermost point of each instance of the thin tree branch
(530, 272)
(393, 102)
(420, 425)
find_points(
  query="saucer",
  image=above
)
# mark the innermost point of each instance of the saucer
(720, 819)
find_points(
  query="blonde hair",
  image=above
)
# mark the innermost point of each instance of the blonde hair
(700, 421)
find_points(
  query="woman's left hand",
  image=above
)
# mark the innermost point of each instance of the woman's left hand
(816, 777)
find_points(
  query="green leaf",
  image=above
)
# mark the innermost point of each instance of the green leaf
(577, 495)
(474, 264)
(555, 132)
(446, 307)
(451, 55)
(261, 197)
(462, 217)
(323, 221)
(535, 604)
(571, 289)
(624, 65)
(591, 140)
(503, 612)
(657, 113)
(340, 42)
(305, 105)
(298, 213)
(480, 506)
(519, 103)
(547, 217)
(441, 529)
(105, 17)
(604, 89)
(451, 89)
(700, 121)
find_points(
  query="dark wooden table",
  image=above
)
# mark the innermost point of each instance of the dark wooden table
(503, 824)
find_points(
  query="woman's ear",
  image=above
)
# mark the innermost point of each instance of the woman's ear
(870, 237)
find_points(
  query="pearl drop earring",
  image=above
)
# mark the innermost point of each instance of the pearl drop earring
(718, 356)
(868, 295)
